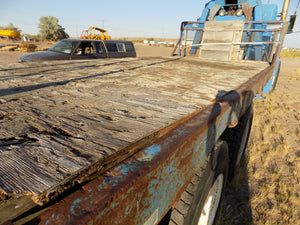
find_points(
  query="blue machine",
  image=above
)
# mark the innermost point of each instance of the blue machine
(262, 34)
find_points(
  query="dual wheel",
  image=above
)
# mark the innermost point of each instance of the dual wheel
(200, 202)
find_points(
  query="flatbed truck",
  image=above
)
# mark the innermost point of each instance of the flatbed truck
(136, 140)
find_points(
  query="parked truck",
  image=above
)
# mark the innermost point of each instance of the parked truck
(137, 140)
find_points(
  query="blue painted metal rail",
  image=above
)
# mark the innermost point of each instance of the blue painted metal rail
(255, 33)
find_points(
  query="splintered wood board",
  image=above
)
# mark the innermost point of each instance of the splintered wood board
(58, 118)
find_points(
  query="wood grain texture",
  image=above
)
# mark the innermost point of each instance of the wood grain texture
(61, 118)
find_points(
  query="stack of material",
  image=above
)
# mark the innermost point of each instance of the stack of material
(9, 48)
(27, 47)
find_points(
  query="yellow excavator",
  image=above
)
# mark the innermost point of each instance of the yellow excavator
(10, 34)
(95, 33)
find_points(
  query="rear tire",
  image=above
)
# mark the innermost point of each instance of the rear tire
(237, 139)
(200, 201)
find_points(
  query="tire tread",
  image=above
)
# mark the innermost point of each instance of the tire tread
(181, 211)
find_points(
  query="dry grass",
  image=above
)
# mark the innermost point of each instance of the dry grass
(273, 165)
(290, 54)
(266, 190)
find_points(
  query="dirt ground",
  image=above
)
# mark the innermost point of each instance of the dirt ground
(266, 189)
(9, 57)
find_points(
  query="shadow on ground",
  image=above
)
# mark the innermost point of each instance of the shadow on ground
(236, 207)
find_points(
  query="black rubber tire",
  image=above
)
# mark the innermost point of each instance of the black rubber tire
(190, 207)
(237, 139)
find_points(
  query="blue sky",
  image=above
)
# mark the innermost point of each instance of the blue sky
(131, 18)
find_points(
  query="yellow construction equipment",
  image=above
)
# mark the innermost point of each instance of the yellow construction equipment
(91, 34)
(10, 33)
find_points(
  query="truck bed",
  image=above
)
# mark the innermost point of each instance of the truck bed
(63, 122)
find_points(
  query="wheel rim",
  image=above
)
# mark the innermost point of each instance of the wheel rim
(243, 144)
(212, 202)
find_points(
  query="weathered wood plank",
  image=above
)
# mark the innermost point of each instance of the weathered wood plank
(58, 118)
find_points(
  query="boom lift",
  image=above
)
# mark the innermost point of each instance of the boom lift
(10, 34)
(91, 33)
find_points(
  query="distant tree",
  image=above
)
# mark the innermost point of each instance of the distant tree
(33, 37)
(51, 30)
(10, 26)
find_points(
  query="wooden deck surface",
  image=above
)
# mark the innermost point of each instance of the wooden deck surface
(57, 118)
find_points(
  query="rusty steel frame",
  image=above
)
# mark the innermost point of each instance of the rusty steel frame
(239, 43)
(246, 22)
(146, 185)
(280, 30)
(248, 30)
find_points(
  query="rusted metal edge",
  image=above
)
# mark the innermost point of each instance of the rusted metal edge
(111, 191)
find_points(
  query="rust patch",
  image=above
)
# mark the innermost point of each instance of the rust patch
(248, 10)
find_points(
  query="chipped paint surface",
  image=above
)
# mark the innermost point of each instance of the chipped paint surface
(153, 179)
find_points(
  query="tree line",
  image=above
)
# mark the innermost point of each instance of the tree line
(50, 30)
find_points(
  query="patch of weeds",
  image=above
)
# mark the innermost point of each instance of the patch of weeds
(272, 167)
(225, 215)
(290, 54)
(264, 149)
(295, 75)
(260, 214)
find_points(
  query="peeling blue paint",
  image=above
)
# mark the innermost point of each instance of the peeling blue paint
(124, 169)
(112, 206)
(180, 132)
(107, 181)
(53, 218)
(74, 206)
(152, 151)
